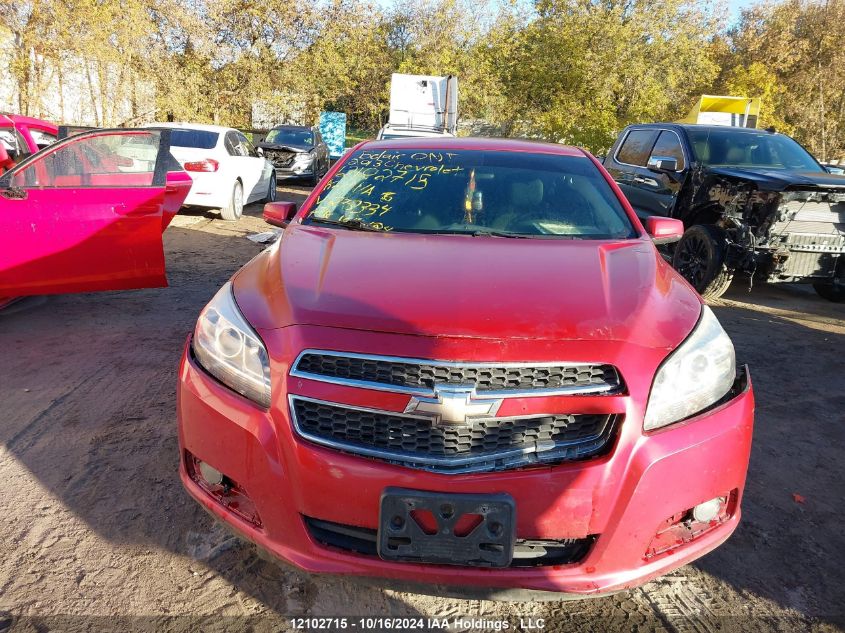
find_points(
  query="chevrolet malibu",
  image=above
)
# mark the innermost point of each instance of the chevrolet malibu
(465, 364)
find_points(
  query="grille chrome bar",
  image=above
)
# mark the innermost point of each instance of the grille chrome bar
(526, 453)
(356, 370)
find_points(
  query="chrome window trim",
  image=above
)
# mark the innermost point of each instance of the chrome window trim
(570, 390)
(659, 130)
(405, 459)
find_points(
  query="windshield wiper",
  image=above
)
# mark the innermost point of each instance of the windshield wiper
(352, 225)
(490, 232)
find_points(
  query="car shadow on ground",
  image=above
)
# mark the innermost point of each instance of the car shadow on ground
(790, 547)
(89, 391)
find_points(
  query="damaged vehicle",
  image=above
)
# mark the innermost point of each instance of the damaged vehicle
(296, 151)
(464, 363)
(753, 203)
(87, 213)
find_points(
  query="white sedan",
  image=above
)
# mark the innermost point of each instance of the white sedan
(227, 170)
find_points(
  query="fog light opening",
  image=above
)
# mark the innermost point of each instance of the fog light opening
(222, 488)
(684, 526)
(709, 510)
(212, 476)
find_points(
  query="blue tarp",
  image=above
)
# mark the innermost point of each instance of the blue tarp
(333, 129)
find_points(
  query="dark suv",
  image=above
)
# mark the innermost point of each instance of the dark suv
(296, 151)
(752, 201)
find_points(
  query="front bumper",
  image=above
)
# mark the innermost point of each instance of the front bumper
(304, 171)
(623, 498)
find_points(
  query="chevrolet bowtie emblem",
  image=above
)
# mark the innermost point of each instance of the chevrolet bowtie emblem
(453, 404)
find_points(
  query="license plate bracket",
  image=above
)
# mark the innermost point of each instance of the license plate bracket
(407, 532)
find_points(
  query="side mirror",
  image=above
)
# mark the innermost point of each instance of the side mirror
(260, 151)
(664, 230)
(5, 160)
(662, 163)
(279, 213)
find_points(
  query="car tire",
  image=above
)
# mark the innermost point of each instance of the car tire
(700, 256)
(233, 211)
(834, 290)
(271, 189)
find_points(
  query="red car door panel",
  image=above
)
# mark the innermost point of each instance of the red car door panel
(177, 189)
(87, 214)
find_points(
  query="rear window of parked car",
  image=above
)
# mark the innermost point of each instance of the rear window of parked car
(474, 192)
(201, 139)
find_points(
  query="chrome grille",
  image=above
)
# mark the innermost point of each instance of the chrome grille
(408, 375)
(807, 265)
(481, 444)
(810, 226)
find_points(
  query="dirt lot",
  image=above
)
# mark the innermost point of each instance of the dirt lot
(97, 533)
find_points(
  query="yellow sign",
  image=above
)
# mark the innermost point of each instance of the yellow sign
(725, 110)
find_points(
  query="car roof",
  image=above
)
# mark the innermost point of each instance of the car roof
(702, 126)
(475, 143)
(205, 127)
(26, 120)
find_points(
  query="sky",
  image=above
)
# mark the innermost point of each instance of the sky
(734, 7)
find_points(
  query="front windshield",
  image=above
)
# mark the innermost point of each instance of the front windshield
(290, 136)
(473, 192)
(730, 148)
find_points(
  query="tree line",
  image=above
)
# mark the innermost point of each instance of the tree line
(573, 71)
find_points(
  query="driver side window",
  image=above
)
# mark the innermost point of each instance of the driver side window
(669, 146)
(103, 160)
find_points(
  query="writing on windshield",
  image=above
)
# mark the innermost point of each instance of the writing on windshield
(473, 191)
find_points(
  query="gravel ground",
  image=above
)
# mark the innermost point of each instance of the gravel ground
(98, 534)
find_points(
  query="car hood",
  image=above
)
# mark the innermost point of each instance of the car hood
(462, 286)
(778, 180)
(286, 148)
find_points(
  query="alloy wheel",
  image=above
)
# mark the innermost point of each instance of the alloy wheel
(693, 258)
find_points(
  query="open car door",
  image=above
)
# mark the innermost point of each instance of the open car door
(87, 213)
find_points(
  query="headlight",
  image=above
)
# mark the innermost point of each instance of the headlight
(228, 348)
(303, 159)
(694, 376)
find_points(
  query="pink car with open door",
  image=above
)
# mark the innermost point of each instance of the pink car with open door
(87, 213)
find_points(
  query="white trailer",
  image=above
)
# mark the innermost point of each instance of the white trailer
(422, 105)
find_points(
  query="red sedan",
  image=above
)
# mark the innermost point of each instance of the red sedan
(87, 213)
(465, 363)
